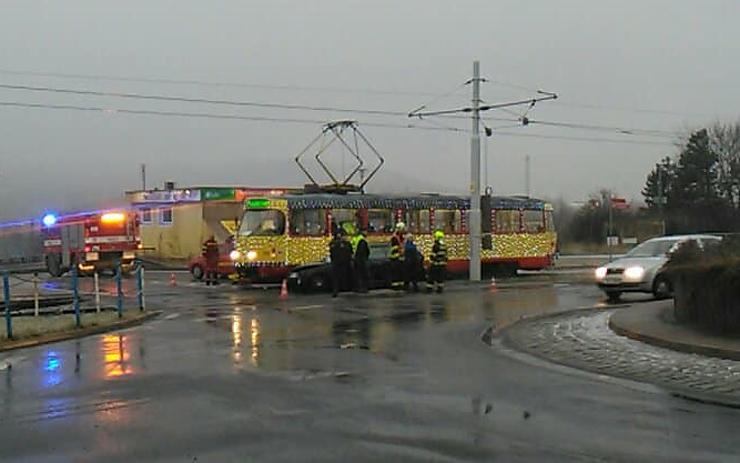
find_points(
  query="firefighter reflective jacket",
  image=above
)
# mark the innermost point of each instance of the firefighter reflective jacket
(396, 247)
(439, 254)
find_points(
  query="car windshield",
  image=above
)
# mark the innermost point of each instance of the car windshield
(653, 248)
(265, 222)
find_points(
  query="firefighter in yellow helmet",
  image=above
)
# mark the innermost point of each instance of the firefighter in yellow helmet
(438, 263)
(360, 257)
(396, 257)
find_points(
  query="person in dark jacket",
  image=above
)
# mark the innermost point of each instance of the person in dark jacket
(340, 253)
(211, 255)
(361, 256)
(411, 262)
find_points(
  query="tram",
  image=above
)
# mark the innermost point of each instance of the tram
(280, 233)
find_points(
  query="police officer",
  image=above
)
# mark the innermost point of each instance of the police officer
(211, 255)
(438, 261)
(396, 257)
(361, 253)
(340, 253)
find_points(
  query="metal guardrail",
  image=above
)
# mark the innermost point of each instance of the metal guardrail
(74, 302)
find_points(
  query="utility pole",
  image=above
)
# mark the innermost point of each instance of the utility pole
(609, 231)
(474, 216)
(526, 175)
(660, 200)
(143, 177)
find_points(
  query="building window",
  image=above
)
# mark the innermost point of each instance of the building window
(146, 215)
(165, 216)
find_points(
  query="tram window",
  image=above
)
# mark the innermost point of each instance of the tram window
(265, 222)
(418, 221)
(533, 221)
(308, 222)
(342, 216)
(549, 221)
(379, 221)
(449, 221)
(507, 221)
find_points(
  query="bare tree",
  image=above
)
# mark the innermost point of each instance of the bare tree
(724, 140)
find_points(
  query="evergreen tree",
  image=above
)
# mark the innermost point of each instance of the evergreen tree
(696, 179)
(659, 185)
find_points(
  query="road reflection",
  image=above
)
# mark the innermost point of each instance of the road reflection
(115, 356)
(237, 329)
(52, 369)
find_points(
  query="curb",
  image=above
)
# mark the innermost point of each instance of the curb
(78, 333)
(676, 391)
(679, 346)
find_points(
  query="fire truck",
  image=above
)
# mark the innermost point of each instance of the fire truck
(93, 241)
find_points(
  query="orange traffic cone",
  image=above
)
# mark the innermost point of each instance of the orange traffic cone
(493, 288)
(173, 280)
(284, 290)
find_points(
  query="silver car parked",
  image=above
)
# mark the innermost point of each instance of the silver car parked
(642, 269)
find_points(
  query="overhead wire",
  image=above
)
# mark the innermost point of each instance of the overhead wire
(181, 99)
(113, 111)
(203, 83)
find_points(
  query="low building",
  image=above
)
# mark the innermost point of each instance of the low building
(176, 221)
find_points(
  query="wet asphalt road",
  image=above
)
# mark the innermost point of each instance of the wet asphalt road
(229, 374)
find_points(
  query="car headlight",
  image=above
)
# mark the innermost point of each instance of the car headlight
(251, 255)
(294, 276)
(600, 273)
(235, 255)
(634, 273)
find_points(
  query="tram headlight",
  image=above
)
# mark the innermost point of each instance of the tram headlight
(235, 255)
(251, 255)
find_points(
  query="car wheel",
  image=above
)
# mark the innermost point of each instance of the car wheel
(662, 287)
(197, 272)
(318, 284)
(613, 296)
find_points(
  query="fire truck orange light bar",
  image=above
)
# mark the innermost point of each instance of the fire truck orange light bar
(112, 217)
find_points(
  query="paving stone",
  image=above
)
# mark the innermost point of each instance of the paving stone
(584, 340)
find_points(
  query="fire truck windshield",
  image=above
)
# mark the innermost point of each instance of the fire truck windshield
(265, 222)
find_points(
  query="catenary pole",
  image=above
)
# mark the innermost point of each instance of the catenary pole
(475, 214)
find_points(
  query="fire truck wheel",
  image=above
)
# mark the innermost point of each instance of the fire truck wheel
(54, 265)
(197, 272)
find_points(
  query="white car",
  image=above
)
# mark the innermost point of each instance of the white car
(642, 269)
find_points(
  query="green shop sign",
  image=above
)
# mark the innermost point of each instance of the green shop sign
(217, 194)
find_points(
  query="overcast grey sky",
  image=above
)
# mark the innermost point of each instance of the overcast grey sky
(659, 65)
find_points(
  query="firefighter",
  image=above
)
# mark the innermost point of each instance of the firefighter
(438, 263)
(211, 255)
(361, 254)
(340, 253)
(396, 257)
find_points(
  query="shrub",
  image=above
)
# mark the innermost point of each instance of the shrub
(706, 284)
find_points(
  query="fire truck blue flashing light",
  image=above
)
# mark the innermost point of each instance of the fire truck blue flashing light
(49, 220)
